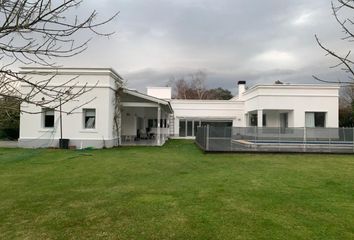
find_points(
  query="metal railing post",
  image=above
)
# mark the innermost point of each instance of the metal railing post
(207, 138)
(353, 139)
(255, 134)
(279, 130)
(329, 140)
(343, 133)
(305, 139)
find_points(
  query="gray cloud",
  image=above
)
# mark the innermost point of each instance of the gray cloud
(261, 41)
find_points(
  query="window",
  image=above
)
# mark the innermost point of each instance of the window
(315, 119)
(182, 128)
(152, 123)
(196, 125)
(48, 118)
(253, 120)
(264, 120)
(89, 118)
(189, 127)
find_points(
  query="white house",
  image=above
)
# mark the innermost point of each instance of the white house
(276, 105)
(151, 118)
(92, 123)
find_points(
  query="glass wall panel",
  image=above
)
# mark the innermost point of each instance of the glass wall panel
(182, 128)
(190, 128)
(196, 125)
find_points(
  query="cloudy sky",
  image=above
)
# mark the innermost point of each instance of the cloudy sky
(230, 40)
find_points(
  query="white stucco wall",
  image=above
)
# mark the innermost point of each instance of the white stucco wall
(208, 110)
(297, 98)
(100, 98)
(160, 92)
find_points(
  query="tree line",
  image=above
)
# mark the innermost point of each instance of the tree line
(193, 86)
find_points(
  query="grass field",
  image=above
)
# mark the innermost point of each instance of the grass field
(174, 192)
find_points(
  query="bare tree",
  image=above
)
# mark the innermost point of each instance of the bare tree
(344, 62)
(193, 87)
(190, 87)
(347, 96)
(342, 11)
(38, 32)
(198, 85)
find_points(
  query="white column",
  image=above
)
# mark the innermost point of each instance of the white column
(158, 137)
(260, 118)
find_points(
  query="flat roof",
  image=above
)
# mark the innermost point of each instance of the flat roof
(71, 70)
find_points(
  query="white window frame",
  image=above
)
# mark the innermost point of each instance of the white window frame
(44, 114)
(311, 116)
(84, 111)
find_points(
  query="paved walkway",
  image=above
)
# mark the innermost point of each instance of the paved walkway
(8, 144)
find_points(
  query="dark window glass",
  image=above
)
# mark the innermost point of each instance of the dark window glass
(320, 119)
(196, 125)
(253, 120)
(48, 118)
(163, 123)
(189, 128)
(264, 120)
(182, 128)
(90, 118)
(150, 123)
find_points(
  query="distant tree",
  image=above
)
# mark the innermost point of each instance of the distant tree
(346, 106)
(219, 94)
(190, 87)
(197, 84)
(346, 117)
(181, 89)
(193, 87)
(38, 32)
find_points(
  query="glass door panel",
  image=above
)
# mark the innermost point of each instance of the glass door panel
(190, 128)
(182, 128)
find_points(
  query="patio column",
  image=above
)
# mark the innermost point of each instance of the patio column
(158, 137)
(260, 118)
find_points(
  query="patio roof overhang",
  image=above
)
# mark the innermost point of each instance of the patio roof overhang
(133, 98)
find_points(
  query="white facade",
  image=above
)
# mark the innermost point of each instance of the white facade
(160, 92)
(91, 119)
(152, 117)
(296, 100)
(277, 105)
(103, 82)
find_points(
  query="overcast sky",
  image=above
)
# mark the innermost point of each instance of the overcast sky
(230, 40)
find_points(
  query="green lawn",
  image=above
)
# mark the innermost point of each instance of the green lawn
(174, 192)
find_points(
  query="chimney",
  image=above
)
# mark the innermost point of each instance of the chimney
(241, 88)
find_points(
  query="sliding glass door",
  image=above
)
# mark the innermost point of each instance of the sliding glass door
(189, 127)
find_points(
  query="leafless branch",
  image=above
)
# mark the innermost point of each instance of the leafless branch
(38, 32)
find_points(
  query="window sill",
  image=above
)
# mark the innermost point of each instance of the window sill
(88, 131)
(50, 130)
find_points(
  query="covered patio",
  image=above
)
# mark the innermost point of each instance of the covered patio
(145, 119)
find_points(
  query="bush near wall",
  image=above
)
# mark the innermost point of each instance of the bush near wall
(9, 133)
(9, 118)
(346, 118)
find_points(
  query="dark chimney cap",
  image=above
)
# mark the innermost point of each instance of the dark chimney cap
(241, 82)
